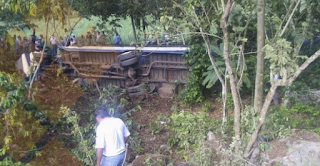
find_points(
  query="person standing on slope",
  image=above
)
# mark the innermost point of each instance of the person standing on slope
(111, 138)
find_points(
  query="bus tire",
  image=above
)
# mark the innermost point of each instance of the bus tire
(129, 62)
(126, 55)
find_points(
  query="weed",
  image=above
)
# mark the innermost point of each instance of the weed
(189, 128)
(154, 161)
(206, 107)
(157, 125)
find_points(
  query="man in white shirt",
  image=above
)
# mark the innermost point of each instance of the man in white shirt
(98, 36)
(54, 46)
(111, 137)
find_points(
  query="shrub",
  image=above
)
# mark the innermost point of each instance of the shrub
(189, 128)
(198, 62)
(299, 116)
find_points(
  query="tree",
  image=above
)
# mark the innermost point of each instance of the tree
(283, 26)
(11, 20)
(47, 10)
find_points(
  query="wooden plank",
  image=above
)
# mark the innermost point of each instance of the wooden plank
(104, 66)
(105, 59)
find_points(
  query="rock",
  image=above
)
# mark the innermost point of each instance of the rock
(43, 90)
(152, 139)
(151, 159)
(211, 136)
(165, 92)
(299, 153)
(164, 150)
(163, 122)
(182, 164)
(163, 147)
(255, 157)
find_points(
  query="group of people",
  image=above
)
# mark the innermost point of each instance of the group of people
(34, 43)
(25, 45)
(95, 38)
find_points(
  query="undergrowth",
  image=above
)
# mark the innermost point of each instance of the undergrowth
(198, 61)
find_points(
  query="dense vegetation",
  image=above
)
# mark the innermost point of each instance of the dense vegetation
(223, 57)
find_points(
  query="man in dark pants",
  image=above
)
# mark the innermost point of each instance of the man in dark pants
(111, 137)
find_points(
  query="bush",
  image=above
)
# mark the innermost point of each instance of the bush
(198, 62)
(8, 162)
(299, 116)
(81, 122)
(189, 128)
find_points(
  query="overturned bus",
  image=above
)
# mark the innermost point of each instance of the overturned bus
(127, 67)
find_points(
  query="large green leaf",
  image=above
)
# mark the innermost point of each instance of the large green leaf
(303, 5)
(210, 78)
(10, 39)
(216, 50)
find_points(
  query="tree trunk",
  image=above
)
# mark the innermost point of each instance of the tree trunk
(133, 30)
(262, 117)
(183, 40)
(258, 95)
(144, 30)
(233, 85)
(41, 59)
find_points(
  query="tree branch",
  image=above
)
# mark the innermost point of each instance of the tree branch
(290, 17)
(303, 67)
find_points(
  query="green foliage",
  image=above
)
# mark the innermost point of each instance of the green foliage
(81, 122)
(280, 55)
(50, 9)
(190, 132)
(210, 75)
(312, 73)
(157, 125)
(7, 161)
(198, 61)
(298, 116)
(154, 127)
(272, 129)
(189, 128)
(11, 20)
(21, 6)
(206, 106)
(250, 73)
(229, 100)
(152, 161)
(17, 119)
(11, 90)
(203, 154)
(135, 143)
(84, 137)
(114, 99)
(248, 120)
